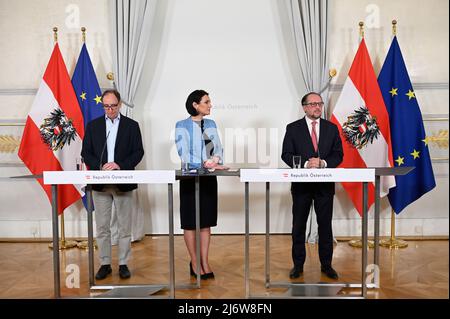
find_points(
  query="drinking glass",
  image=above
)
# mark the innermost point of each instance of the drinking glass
(80, 164)
(184, 167)
(296, 161)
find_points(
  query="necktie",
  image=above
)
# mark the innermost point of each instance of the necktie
(314, 135)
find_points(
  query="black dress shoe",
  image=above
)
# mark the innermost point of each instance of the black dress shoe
(330, 272)
(124, 272)
(296, 272)
(103, 271)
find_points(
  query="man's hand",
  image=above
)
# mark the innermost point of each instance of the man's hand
(314, 162)
(110, 166)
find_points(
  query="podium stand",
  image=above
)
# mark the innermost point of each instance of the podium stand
(197, 175)
(267, 176)
(55, 178)
(383, 171)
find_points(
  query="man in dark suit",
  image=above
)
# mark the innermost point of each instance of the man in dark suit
(112, 142)
(318, 143)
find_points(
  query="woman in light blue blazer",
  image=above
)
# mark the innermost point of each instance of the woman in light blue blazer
(199, 146)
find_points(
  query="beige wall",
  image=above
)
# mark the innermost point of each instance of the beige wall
(26, 42)
(422, 32)
(237, 51)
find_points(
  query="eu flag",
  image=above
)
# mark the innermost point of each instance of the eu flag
(87, 90)
(409, 143)
(86, 87)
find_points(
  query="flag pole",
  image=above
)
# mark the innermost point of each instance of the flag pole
(84, 244)
(55, 34)
(357, 243)
(394, 28)
(63, 243)
(361, 29)
(393, 243)
(83, 34)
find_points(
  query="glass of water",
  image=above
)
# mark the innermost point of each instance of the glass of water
(80, 164)
(184, 167)
(296, 161)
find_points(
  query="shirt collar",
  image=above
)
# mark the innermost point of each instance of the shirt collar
(117, 118)
(309, 121)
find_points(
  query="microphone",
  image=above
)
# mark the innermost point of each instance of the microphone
(103, 151)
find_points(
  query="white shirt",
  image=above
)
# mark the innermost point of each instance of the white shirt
(112, 126)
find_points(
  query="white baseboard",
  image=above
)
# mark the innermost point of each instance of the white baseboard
(341, 228)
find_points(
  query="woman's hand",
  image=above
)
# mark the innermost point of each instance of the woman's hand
(209, 163)
(212, 162)
(216, 159)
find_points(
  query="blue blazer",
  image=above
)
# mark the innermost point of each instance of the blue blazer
(190, 142)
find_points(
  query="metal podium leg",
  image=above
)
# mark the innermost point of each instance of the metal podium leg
(267, 262)
(376, 257)
(90, 212)
(171, 245)
(197, 228)
(56, 272)
(364, 239)
(246, 246)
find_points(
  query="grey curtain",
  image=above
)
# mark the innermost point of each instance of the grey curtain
(131, 24)
(310, 26)
(132, 21)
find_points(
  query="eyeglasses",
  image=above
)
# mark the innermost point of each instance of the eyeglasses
(110, 106)
(313, 104)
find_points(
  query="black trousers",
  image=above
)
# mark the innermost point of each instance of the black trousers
(323, 205)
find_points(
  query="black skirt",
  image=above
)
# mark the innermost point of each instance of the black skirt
(208, 202)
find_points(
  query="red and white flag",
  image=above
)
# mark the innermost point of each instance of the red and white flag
(363, 122)
(54, 130)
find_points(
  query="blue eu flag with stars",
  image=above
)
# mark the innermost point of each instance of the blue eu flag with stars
(86, 87)
(87, 90)
(409, 142)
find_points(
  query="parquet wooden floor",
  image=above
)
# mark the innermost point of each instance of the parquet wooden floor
(419, 271)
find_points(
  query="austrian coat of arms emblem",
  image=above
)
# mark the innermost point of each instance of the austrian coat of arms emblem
(360, 128)
(57, 130)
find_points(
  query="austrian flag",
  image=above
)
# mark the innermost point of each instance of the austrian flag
(51, 140)
(363, 122)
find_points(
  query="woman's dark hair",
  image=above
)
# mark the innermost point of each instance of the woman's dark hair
(111, 91)
(196, 97)
(305, 97)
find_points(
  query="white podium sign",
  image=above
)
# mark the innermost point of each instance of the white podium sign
(308, 175)
(110, 177)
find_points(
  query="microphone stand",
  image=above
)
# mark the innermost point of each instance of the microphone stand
(103, 151)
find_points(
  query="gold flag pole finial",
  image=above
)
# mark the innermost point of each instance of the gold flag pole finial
(394, 27)
(361, 29)
(110, 76)
(332, 73)
(83, 34)
(55, 34)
